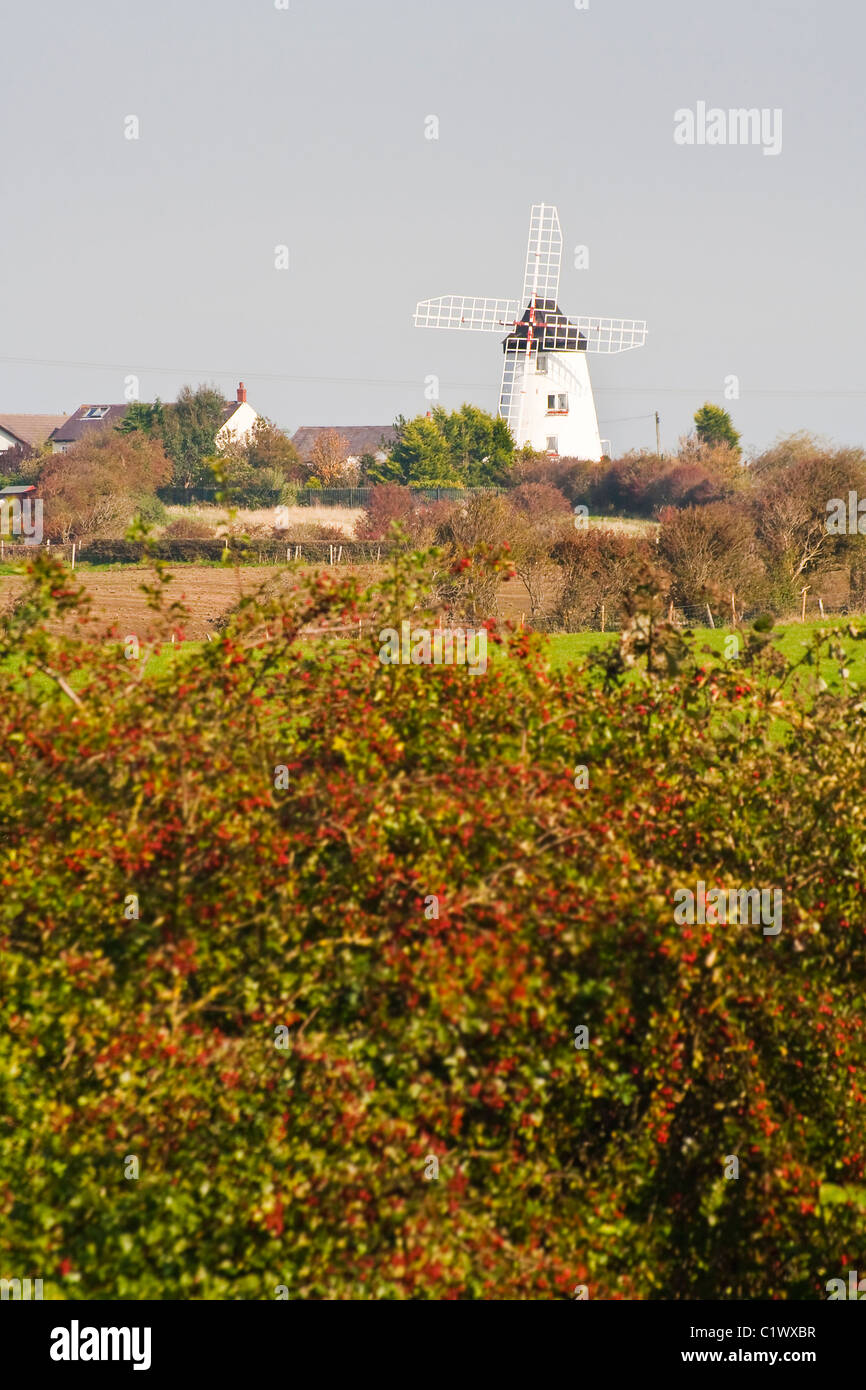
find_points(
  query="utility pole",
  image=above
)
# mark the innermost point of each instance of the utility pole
(658, 437)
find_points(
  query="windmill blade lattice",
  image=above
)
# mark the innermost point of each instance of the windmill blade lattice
(466, 311)
(543, 254)
(512, 390)
(590, 335)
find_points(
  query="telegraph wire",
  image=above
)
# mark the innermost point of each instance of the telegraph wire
(203, 373)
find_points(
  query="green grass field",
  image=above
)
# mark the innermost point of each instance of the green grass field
(792, 639)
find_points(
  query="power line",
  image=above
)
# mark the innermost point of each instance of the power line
(620, 419)
(202, 372)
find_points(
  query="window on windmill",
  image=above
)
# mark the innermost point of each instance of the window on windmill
(541, 364)
(552, 444)
(562, 402)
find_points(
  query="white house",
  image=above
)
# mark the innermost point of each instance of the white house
(239, 420)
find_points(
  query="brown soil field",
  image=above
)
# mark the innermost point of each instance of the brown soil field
(118, 602)
(208, 591)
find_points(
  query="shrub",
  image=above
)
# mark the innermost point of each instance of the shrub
(389, 502)
(95, 487)
(188, 528)
(710, 552)
(150, 510)
(597, 567)
(325, 993)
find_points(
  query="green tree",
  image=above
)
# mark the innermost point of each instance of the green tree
(480, 445)
(266, 447)
(189, 431)
(714, 426)
(420, 458)
(462, 448)
(143, 417)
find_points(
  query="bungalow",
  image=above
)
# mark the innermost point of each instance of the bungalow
(86, 418)
(29, 430)
(363, 439)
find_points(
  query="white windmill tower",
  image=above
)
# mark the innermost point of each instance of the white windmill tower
(546, 393)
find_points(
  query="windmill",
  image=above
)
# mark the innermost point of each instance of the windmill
(546, 394)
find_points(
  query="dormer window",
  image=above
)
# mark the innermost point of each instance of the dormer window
(95, 412)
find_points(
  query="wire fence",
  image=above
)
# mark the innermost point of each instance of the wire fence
(696, 616)
(603, 618)
(313, 496)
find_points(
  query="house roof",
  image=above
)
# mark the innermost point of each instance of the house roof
(76, 426)
(363, 439)
(30, 429)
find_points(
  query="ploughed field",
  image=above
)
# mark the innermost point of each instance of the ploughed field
(118, 602)
(208, 591)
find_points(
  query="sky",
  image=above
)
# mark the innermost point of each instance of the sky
(307, 127)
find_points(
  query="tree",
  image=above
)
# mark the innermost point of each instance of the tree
(714, 426)
(389, 502)
(266, 446)
(93, 488)
(789, 504)
(149, 419)
(16, 463)
(419, 458)
(710, 552)
(598, 567)
(460, 448)
(189, 429)
(329, 460)
(480, 445)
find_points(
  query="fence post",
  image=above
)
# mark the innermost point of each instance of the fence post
(803, 612)
(602, 617)
(73, 554)
(710, 616)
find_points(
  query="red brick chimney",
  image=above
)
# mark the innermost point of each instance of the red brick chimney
(242, 394)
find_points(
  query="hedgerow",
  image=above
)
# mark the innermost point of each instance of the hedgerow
(280, 930)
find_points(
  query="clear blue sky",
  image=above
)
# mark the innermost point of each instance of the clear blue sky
(306, 127)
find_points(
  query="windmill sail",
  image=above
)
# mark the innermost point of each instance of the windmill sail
(543, 254)
(513, 391)
(466, 311)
